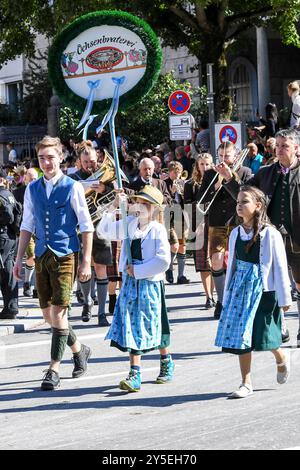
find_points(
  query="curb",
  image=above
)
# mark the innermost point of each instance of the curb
(21, 323)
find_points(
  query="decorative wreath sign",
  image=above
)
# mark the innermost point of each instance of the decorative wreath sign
(91, 54)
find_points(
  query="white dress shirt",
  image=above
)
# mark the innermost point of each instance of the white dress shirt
(78, 204)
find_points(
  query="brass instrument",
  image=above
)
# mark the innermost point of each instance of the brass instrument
(236, 166)
(98, 203)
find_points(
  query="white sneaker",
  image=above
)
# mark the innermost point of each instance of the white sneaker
(282, 377)
(244, 391)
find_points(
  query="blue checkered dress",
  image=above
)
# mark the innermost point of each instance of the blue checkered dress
(237, 318)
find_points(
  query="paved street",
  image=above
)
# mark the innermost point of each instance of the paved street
(191, 413)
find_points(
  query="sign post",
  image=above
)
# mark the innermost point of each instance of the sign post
(211, 109)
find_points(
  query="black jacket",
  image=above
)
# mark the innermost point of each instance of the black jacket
(266, 180)
(224, 206)
(138, 184)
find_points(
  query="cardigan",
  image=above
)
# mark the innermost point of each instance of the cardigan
(273, 264)
(155, 245)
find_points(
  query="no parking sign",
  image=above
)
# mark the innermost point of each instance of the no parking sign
(229, 132)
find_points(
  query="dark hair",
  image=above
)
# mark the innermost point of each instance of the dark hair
(204, 124)
(271, 111)
(260, 219)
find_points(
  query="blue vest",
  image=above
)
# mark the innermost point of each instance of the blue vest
(55, 220)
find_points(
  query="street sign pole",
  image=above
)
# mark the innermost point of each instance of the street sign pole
(211, 109)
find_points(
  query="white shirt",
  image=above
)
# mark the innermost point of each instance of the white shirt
(273, 263)
(154, 243)
(78, 204)
(12, 156)
(295, 115)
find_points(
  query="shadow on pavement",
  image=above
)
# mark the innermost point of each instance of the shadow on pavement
(128, 401)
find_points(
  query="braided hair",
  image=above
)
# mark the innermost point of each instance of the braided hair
(260, 218)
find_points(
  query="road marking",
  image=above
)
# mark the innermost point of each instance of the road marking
(45, 342)
(292, 448)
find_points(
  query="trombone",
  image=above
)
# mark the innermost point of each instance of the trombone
(236, 166)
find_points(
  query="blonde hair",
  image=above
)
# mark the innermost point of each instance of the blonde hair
(49, 141)
(175, 166)
(85, 147)
(197, 175)
(293, 86)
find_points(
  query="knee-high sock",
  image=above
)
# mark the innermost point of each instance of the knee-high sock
(72, 338)
(58, 344)
(93, 283)
(86, 291)
(102, 288)
(28, 273)
(181, 264)
(173, 256)
(298, 305)
(219, 280)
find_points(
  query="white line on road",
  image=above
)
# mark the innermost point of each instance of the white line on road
(45, 342)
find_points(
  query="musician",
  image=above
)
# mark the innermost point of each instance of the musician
(281, 184)
(175, 186)
(220, 214)
(199, 226)
(146, 170)
(101, 252)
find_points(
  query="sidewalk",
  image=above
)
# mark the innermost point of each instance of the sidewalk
(30, 316)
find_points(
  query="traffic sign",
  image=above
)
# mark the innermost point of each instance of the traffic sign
(229, 132)
(184, 120)
(181, 133)
(179, 102)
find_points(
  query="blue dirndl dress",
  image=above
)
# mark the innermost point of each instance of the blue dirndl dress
(251, 318)
(140, 323)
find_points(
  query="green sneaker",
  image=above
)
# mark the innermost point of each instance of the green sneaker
(166, 371)
(132, 383)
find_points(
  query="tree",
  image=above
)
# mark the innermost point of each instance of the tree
(206, 27)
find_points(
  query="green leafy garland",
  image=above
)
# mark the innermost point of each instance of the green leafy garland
(114, 18)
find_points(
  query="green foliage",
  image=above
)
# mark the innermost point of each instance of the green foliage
(68, 121)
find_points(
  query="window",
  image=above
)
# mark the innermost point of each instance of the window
(243, 89)
(14, 94)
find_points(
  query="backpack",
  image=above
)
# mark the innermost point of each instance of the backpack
(10, 213)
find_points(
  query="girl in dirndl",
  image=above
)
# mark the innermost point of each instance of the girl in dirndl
(257, 287)
(140, 323)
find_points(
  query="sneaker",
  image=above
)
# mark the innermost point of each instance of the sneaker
(210, 303)
(112, 303)
(102, 320)
(166, 371)
(182, 280)
(285, 336)
(26, 289)
(51, 380)
(87, 312)
(218, 310)
(243, 392)
(132, 383)
(35, 294)
(298, 340)
(80, 361)
(169, 276)
(282, 377)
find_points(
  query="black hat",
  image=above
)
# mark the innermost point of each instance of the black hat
(3, 173)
